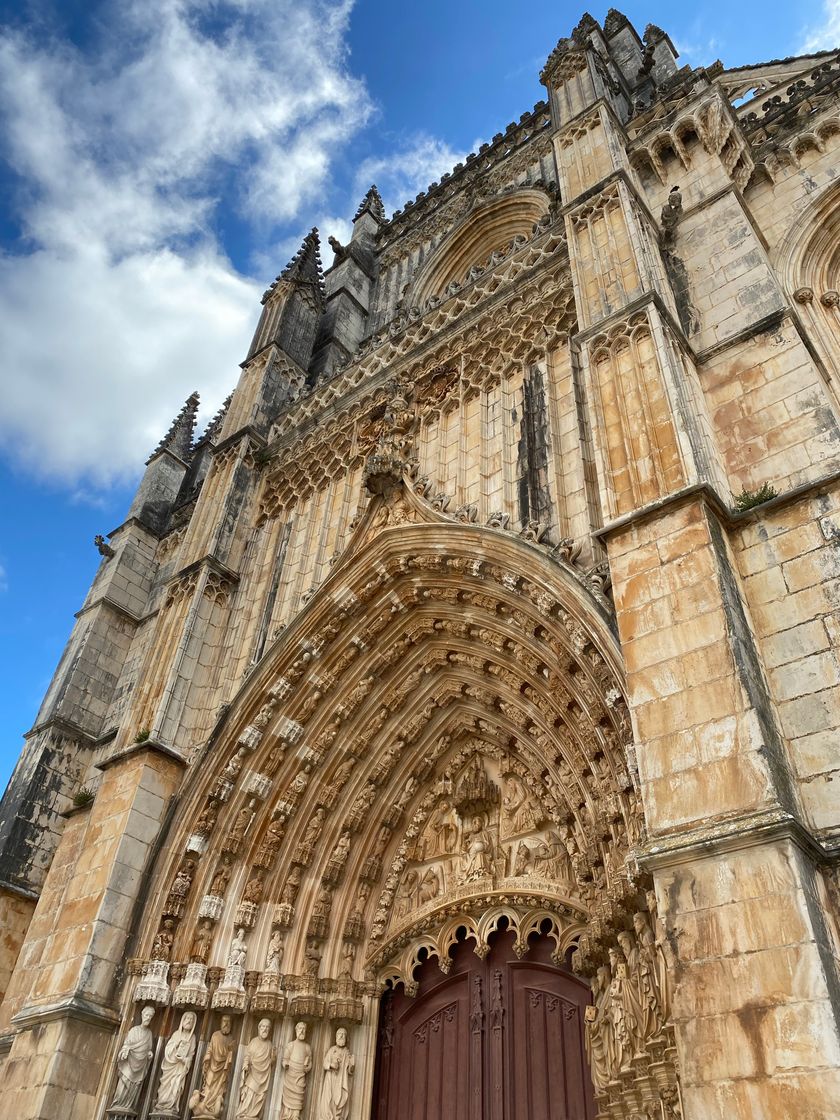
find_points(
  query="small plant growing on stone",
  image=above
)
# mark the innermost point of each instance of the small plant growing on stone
(749, 499)
(142, 735)
(82, 797)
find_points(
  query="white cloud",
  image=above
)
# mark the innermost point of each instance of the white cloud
(121, 300)
(697, 52)
(825, 36)
(401, 174)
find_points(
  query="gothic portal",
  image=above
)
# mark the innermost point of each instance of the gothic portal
(450, 730)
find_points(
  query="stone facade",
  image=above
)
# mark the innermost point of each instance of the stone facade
(502, 595)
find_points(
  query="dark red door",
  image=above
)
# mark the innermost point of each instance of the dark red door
(494, 1039)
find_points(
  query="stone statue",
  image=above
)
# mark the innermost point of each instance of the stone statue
(238, 951)
(274, 953)
(177, 1059)
(292, 885)
(323, 902)
(622, 1041)
(253, 890)
(206, 1103)
(652, 999)
(476, 861)
(201, 942)
(241, 823)
(597, 1030)
(133, 1063)
(633, 997)
(339, 1063)
(297, 1062)
(256, 1073)
(272, 840)
(221, 877)
(207, 820)
(312, 959)
(164, 938)
(234, 765)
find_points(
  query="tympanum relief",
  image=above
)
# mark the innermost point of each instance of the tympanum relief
(487, 828)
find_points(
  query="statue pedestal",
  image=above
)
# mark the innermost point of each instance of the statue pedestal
(268, 996)
(230, 995)
(192, 991)
(154, 987)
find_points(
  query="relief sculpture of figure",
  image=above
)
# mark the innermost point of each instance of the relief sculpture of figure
(477, 859)
(339, 1063)
(297, 1062)
(206, 1102)
(520, 815)
(177, 1059)
(429, 886)
(551, 859)
(133, 1063)
(256, 1073)
(407, 894)
(440, 836)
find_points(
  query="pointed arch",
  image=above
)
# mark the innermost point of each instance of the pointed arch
(483, 231)
(432, 640)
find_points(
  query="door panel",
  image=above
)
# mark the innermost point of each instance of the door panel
(495, 1039)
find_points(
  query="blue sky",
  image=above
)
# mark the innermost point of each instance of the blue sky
(161, 160)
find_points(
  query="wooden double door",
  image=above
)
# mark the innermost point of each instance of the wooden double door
(494, 1039)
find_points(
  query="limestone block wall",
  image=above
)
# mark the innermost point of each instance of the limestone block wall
(775, 420)
(789, 559)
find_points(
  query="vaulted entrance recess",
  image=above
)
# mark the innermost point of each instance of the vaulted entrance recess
(497, 1037)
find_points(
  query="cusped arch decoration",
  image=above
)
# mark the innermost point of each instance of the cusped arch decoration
(483, 231)
(511, 914)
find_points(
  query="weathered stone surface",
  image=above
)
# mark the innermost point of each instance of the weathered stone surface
(449, 622)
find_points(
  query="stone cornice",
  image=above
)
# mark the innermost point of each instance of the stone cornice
(762, 828)
(117, 608)
(75, 1007)
(65, 726)
(153, 746)
(21, 892)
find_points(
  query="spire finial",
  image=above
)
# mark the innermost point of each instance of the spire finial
(371, 204)
(179, 438)
(305, 266)
(211, 432)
